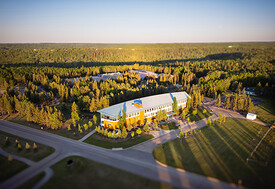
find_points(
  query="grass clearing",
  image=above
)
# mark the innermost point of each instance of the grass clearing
(41, 152)
(89, 174)
(8, 169)
(221, 152)
(102, 141)
(266, 111)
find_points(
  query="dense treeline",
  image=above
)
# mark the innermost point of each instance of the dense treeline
(201, 71)
(144, 54)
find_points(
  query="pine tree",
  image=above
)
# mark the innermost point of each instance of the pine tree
(109, 134)
(218, 103)
(27, 146)
(175, 105)
(235, 102)
(75, 114)
(124, 133)
(220, 119)
(34, 146)
(10, 158)
(119, 134)
(227, 103)
(95, 119)
(135, 124)
(114, 134)
(155, 124)
(19, 147)
(7, 141)
(209, 122)
(105, 132)
(181, 135)
(90, 124)
(146, 127)
(250, 105)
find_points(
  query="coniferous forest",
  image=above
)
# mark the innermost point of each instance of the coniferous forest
(35, 77)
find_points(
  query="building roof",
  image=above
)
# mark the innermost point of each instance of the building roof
(249, 90)
(147, 102)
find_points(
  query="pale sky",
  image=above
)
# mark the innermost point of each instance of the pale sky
(136, 21)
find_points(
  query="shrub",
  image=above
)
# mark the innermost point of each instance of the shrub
(132, 134)
(138, 131)
(19, 147)
(10, 158)
(85, 126)
(69, 127)
(209, 122)
(109, 134)
(7, 141)
(34, 146)
(181, 135)
(27, 146)
(204, 111)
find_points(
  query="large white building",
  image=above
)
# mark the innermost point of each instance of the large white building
(140, 109)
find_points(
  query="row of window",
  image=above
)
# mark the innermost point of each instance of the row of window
(132, 115)
(157, 108)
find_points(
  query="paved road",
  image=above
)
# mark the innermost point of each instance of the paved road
(137, 160)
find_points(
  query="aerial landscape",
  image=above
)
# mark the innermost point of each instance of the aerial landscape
(137, 94)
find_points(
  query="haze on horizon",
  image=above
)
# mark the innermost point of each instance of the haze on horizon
(144, 21)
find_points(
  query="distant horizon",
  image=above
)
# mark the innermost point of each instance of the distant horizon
(134, 43)
(136, 21)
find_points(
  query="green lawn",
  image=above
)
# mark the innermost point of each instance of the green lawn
(199, 115)
(88, 174)
(168, 126)
(32, 182)
(73, 134)
(41, 152)
(8, 169)
(266, 111)
(221, 152)
(114, 143)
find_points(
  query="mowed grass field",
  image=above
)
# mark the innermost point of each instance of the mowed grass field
(221, 152)
(8, 169)
(85, 173)
(266, 111)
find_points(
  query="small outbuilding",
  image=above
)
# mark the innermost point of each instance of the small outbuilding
(251, 116)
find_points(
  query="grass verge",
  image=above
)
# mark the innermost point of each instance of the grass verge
(102, 141)
(89, 174)
(221, 152)
(73, 134)
(8, 169)
(32, 182)
(34, 155)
